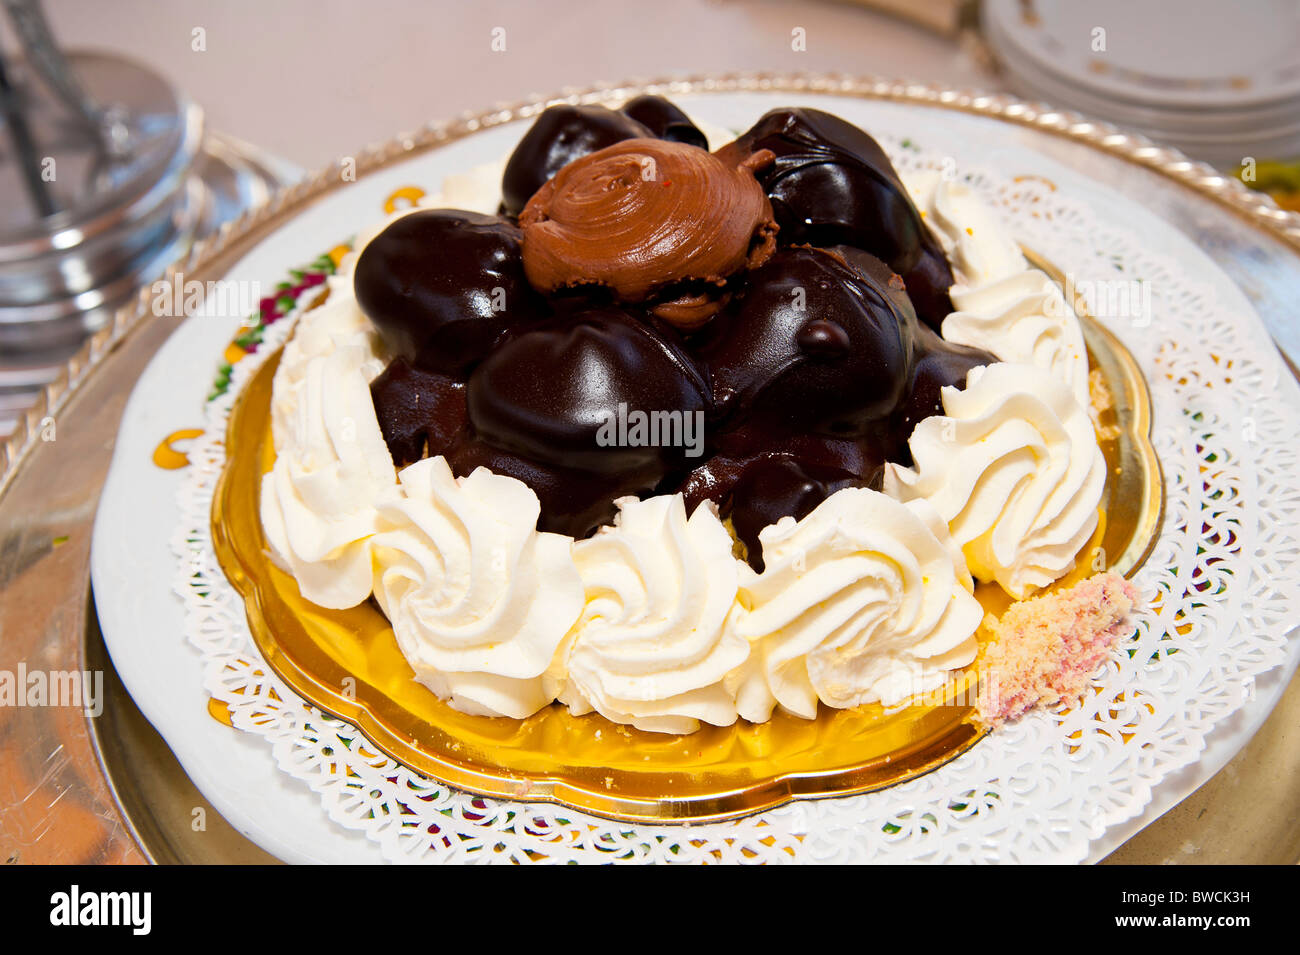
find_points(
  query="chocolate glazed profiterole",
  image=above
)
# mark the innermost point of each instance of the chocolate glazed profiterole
(769, 292)
(544, 396)
(831, 184)
(565, 133)
(443, 285)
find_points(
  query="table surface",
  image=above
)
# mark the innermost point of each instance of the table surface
(312, 80)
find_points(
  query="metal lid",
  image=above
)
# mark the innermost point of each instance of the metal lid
(79, 221)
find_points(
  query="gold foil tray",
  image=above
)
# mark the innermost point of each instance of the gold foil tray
(347, 663)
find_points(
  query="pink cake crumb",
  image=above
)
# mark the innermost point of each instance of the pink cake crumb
(1047, 648)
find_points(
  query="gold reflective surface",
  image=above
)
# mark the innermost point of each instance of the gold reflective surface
(348, 664)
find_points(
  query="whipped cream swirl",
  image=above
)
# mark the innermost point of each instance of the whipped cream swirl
(331, 460)
(1003, 304)
(653, 622)
(1014, 467)
(479, 600)
(651, 647)
(864, 600)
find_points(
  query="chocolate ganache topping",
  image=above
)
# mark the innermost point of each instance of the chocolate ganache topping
(665, 120)
(831, 184)
(442, 285)
(813, 344)
(558, 137)
(643, 277)
(646, 219)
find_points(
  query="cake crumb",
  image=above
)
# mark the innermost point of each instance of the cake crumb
(1101, 401)
(1047, 648)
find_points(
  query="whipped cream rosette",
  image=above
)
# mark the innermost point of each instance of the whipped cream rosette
(1014, 467)
(478, 599)
(864, 600)
(476, 190)
(651, 647)
(1001, 303)
(331, 460)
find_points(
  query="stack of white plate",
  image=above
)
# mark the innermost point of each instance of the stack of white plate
(1217, 79)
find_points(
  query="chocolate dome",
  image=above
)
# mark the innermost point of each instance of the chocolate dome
(442, 285)
(551, 393)
(560, 135)
(831, 184)
(665, 120)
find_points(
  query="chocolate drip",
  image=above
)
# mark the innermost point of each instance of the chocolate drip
(939, 365)
(573, 502)
(776, 487)
(421, 414)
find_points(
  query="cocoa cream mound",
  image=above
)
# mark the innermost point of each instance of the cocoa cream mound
(653, 221)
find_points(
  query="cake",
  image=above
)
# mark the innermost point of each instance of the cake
(681, 436)
(1045, 650)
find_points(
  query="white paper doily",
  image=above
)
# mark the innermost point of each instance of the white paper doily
(1220, 588)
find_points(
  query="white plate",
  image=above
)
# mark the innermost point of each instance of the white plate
(1196, 54)
(1180, 77)
(132, 561)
